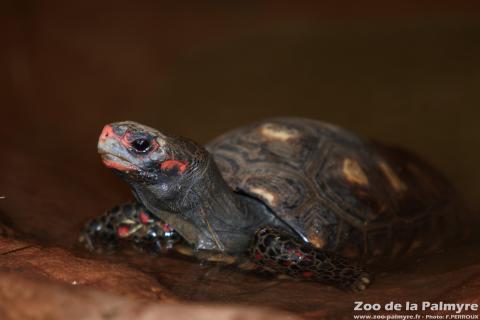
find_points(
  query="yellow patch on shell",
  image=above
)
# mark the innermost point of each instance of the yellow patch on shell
(264, 194)
(392, 177)
(273, 131)
(317, 241)
(353, 172)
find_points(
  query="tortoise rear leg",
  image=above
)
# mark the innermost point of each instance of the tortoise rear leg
(128, 224)
(277, 251)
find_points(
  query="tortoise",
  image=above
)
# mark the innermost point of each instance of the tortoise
(292, 196)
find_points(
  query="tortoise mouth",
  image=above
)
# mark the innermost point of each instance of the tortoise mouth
(117, 162)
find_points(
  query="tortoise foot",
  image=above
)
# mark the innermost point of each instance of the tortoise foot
(128, 225)
(278, 252)
(361, 283)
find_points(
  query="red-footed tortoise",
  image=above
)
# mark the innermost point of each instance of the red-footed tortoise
(294, 196)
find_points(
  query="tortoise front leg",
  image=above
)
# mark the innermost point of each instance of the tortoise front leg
(277, 251)
(128, 224)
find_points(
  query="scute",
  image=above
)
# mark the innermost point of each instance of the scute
(285, 144)
(280, 190)
(336, 190)
(320, 225)
(361, 194)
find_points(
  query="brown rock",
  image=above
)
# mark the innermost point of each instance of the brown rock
(24, 297)
(5, 231)
(57, 264)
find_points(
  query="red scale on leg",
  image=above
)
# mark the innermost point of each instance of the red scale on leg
(299, 254)
(123, 231)
(307, 274)
(166, 228)
(272, 263)
(308, 258)
(258, 256)
(145, 218)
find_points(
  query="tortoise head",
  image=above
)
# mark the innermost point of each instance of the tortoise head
(152, 162)
(177, 180)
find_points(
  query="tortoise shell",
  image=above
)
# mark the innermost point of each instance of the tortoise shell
(336, 190)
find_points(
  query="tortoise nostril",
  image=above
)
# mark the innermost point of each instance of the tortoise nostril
(106, 133)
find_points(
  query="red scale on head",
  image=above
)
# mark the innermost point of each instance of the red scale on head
(172, 164)
(107, 132)
(125, 140)
(118, 166)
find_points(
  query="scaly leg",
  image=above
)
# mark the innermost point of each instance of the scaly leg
(128, 224)
(277, 251)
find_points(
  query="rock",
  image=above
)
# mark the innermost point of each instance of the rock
(57, 264)
(5, 231)
(37, 281)
(26, 297)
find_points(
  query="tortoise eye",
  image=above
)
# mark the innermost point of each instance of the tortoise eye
(141, 145)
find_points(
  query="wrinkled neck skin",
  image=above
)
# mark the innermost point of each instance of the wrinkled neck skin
(207, 213)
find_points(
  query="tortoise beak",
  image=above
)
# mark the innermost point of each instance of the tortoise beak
(113, 152)
(113, 162)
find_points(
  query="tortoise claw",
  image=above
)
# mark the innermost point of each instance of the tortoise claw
(362, 282)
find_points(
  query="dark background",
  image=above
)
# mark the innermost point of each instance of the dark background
(406, 72)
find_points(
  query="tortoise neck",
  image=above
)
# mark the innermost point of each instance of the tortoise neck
(219, 214)
(208, 214)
